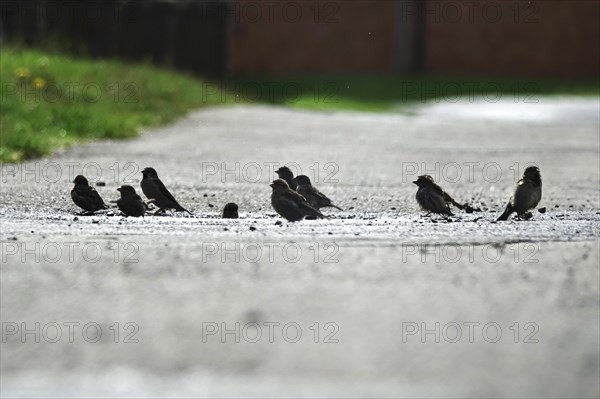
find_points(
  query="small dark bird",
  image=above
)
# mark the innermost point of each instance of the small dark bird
(431, 197)
(527, 195)
(291, 205)
(286, 174)
(315, 198)
(130, 203)
(157, 193)
(230, 211)
(85, 196)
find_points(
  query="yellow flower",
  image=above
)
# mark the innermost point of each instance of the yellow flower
(22, 72)
(39, 83)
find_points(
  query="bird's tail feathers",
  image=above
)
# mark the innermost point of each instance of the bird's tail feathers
(506, 214)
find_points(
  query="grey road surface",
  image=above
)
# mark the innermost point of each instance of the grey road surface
(379, 300)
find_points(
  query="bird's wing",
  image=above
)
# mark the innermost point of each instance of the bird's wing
(87, 198)
(287, 205)
(77, 198)
(295, 198)
(300, 202)
(322, 198)
(95, 197)
(435, 202)
(164, 191)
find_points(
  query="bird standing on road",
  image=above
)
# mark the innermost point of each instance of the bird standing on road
(289, 204)
(527, 195)
(157, 193)
(431, 197)
(230, 211)
(286, 174)
(130, 203)
(86, 197)
(315, 198)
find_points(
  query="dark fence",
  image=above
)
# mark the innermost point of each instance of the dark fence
(186, 35)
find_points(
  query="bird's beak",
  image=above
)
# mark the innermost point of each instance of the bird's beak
(119, 189)
(415, 182)
(271, 185)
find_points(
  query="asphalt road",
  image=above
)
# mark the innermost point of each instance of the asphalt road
(378, 300)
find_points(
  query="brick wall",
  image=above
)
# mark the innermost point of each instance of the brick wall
(541, 38)
(323, 37)
(512, 38)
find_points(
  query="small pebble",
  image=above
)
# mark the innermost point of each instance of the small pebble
(210, 205)
(100, 184)
(542, 210)
(278, 223)
(95, 221)
(252, 228)
(75, 219)
(393, 208)
(205, 195)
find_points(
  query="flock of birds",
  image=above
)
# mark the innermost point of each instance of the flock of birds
(295, 198)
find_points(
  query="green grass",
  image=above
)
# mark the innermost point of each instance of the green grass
(50, 100)
(54, 100)
(391, 93)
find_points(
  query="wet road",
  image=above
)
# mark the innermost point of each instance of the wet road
(376, 301)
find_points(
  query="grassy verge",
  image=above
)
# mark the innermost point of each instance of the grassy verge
(53, 100)
(389, 93)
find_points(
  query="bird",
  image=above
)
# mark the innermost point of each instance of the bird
(130, 203)
(291, 205)
(315, 198)
(230, 211)
(431, 197)
(86, 197)
(157, 193)
(526, 196)
(286, 174)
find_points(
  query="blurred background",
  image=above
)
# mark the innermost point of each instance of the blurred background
(139, 63)
(518, 38)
